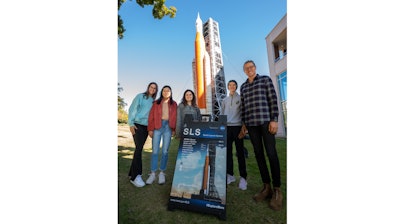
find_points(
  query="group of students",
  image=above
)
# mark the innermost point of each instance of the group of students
(253, 112)
(160, 119)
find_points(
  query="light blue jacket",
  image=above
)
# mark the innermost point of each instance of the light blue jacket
(139, 110)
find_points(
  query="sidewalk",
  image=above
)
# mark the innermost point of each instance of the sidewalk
(125, 138)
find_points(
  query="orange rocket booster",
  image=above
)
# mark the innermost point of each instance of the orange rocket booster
(199, 57)
(205, 173)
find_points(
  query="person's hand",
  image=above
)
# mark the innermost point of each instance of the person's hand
(133, 129)
(273, 127)
(243, 132)
(173, 133)
(151, 134)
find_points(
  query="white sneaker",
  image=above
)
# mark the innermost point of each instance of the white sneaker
(242, 183)
(138, 182)
(230, 179)
(151, 178)
(161, 178)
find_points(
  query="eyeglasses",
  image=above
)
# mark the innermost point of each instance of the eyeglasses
(249, 67)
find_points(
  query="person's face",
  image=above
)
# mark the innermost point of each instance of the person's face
(152, 89)
(188, 96)
(166, 93)
(232, 87)
(250, 69)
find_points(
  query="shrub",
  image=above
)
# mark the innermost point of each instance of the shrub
(122, 116)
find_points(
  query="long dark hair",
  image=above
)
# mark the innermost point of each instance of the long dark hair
(161, 96)
(147, 94)
(194, 104)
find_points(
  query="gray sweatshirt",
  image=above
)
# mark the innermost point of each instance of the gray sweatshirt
(231, 107)
(182, 111)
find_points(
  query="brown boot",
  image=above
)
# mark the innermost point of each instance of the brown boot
(276, 200)
(263, 194)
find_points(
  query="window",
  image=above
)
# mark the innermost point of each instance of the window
(282, 84)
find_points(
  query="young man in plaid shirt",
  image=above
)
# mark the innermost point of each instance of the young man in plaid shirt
(260, 119)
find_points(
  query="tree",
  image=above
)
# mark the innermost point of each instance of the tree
(121, 102)
(159, 11)
(122, 114)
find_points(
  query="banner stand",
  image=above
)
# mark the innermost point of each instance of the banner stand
(199, 182)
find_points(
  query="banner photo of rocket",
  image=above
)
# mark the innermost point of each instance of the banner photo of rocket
(199, 182)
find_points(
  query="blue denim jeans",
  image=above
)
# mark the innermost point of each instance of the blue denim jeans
(165, 134)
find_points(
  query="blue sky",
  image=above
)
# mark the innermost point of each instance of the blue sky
(163, 50)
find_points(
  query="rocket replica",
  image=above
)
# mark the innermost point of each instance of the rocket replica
(202, 67)
(208, 68)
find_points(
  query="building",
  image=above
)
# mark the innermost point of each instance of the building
(276, 50)
(208, 68)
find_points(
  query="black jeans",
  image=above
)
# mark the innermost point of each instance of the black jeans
(232, 136)
(139, 138)
(258, 136)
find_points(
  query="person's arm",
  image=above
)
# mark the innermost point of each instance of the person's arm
(272, 100)
(178, 121)
(273, 107)
(199, 117)
(133, 109)
(173, 116)
(242, 109)
(151, 125)
(242, 132)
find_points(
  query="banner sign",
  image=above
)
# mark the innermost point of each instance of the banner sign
(199, 182)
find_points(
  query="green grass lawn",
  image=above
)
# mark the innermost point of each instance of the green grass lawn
(149, 204)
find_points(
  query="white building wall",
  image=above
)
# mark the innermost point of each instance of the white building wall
(276, 68)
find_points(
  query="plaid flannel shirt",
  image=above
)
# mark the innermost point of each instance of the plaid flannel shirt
(259, 101)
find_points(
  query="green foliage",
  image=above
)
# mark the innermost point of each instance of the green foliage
(159, 8)
(121, 28)
(159, 11)
(122, 116)
(120, 3)
(121, 102)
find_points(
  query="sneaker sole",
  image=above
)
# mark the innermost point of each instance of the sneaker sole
(231, 182)
(148, 183)
(137, 185)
